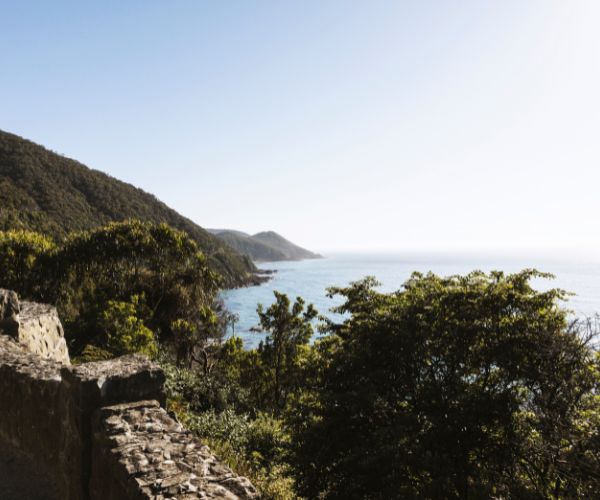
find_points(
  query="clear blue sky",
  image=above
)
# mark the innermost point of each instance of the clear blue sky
(371, 125)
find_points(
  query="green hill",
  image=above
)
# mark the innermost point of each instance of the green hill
(266, 247)
(46, 192)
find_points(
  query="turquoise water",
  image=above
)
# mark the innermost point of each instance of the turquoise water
(310, 278)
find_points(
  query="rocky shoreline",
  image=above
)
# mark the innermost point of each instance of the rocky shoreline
(260, 277)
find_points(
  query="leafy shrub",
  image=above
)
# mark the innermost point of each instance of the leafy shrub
(467, 386)
(20, 256)
(93, 353)
(125, 330)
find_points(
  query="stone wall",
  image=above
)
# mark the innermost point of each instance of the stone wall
(32, 409)
(149, 455)
(99, 431)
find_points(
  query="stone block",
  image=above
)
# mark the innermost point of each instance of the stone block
(9, 312)
(149, 455)
(35, 326)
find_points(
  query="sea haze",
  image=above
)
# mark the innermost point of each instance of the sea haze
(310, 278)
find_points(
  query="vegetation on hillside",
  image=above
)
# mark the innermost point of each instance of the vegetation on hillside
(292, 251)
(45, 192)
(246, 245)
(122, 288)
(267, 246)
(473, 386)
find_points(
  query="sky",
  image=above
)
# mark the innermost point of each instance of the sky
(343, 125)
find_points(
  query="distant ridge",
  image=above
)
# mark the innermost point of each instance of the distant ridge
(217, 232)
(46, 192)
(263, 247)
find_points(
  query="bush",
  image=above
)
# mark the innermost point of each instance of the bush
(125, 330)
(468, 386)
(21, 256)
(253, 446)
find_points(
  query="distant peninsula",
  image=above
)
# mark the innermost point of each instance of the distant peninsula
(267, 246)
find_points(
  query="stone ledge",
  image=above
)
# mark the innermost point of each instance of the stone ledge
(149, 455)
(97, 429)
(119, 380)
(16, 357)
(36, 326)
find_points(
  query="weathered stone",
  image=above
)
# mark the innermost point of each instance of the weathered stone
(32, 407)
(36, 326)
(41, 331)
(171, 476)
(9, 312)
(21, 478)
(120, 380)
(90, 428)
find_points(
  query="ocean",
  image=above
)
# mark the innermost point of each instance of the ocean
(309, 279)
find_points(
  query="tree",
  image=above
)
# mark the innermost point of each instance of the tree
(123, 325)
(468, 386)
(289, 328)
(21, 253)
(161, 266)
(232, 319)
(115, 262)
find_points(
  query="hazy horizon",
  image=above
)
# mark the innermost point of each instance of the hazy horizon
(534, 256)
(365, 126)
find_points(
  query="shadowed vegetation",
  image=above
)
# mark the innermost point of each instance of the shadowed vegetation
(475, 386)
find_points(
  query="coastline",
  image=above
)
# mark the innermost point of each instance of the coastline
(309, 279)
(264, 275)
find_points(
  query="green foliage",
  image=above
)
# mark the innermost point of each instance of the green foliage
(45, 192)
(125, 330)
(468, 386)
(234, 406)
(245, 370)
(92, 353)
(451, 387)
(253, 447)
(125, 259)
(96, 278)
(202, 392)
(289, 328)
(221, 426)
(253, 444)
(131, 258)
(20, 256)
(198, 342)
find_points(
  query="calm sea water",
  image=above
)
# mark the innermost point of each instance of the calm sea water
(310, 278)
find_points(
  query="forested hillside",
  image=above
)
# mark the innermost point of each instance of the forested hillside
(45, 192)
(267, 246)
